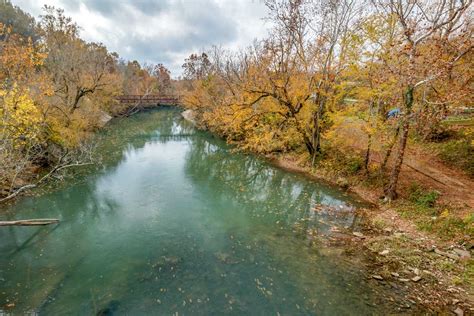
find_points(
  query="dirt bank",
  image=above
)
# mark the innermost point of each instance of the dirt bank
(437, 273)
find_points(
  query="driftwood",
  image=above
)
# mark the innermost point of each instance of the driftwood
(30, 222)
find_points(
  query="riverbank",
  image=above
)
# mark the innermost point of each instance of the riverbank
(76, 156)
(402, 250)
(437, 272)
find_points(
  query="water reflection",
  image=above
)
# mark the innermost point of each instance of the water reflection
(175, 222)
(259, 187)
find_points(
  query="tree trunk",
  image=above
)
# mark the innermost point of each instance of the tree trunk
(320, 113)
(316, 137)
(367, 153)
(390, 148)
(309, 145)
(391, 189)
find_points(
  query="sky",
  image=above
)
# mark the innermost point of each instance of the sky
(162, 31)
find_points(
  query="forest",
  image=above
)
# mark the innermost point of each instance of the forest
(347, 85)
(56, 90)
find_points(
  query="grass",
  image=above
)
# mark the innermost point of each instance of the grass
(468, 275)
(402, 252)
(421, 197)
(459, 153)
(459, 121)
(422, 208)
(457, 149)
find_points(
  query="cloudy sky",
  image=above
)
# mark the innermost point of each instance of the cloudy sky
(162, 31)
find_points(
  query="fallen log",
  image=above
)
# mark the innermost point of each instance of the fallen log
(30, 222)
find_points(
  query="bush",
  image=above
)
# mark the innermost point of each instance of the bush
(342, 162)
(422, 197)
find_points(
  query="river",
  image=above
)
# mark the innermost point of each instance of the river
(174, 221)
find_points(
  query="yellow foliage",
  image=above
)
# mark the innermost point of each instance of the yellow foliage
(21, 119)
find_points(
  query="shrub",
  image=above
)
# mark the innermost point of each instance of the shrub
(422, 197)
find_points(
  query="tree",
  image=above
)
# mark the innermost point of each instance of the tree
(23, 131)
(196, 66)
(329, 64)
(421, 24)
(78, 69)
(162, 75)
(15, 18)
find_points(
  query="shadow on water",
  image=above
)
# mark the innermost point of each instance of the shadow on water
(175, 222)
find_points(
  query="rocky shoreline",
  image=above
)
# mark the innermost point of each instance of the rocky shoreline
(398, 254)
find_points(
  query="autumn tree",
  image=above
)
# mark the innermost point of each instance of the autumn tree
(421, 25)
(78, 69)
(300, 66)
(55, 89)
(23, 130)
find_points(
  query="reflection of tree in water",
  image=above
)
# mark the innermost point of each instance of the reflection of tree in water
(273, 199)
(263, 189)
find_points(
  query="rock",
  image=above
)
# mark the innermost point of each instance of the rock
(416, 278)
(447, 254)
(377, 277)
(394, 274)
(358, 234)
(455, 301)
(452, 290)
(464, 254)
(189, 115)
(388, 230)
(459, 312)
(404, 280)
(452, 256)
(104, 118)
(222, 256)
(439, 252)
(110, 309)
(384, 253)
(172, 259)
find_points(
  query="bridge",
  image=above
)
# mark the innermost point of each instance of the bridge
(149, 99)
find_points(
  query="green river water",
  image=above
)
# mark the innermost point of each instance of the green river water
(174, 222)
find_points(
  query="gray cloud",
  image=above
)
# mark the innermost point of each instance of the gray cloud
(164, 31)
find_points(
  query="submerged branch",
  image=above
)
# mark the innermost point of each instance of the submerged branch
(34, 185)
